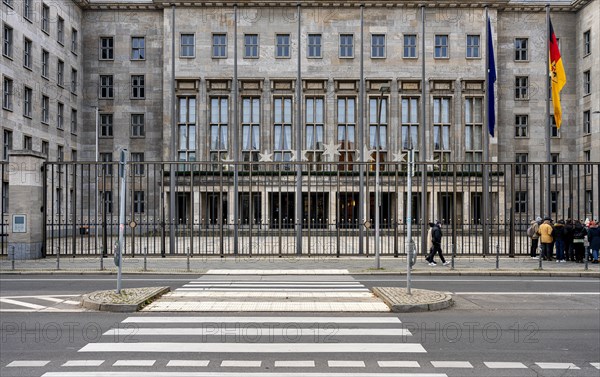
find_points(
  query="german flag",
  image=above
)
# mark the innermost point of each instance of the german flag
(557, 74)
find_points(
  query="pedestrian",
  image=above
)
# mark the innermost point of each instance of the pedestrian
(429, 240)
(579, 233)
(532, 233)
(594, 239)
(569, 255)
(436, 240)
(545, 231)
(558, 234)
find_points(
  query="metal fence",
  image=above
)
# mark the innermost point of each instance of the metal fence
(250, 208)
(4, 208)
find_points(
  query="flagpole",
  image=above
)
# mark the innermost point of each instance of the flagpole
(486, 141)
(423, 151)
(548, 125)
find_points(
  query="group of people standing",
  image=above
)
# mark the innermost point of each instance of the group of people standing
(566, 237)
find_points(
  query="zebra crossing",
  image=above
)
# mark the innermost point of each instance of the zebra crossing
(268, 293)
(40, 303)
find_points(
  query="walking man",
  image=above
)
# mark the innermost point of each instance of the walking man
(436, 239)
(532, 232)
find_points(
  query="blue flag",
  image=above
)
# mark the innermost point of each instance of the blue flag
(491, 79)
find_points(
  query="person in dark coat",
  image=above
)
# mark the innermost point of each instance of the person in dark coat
(558, 234)
(568, 238)
(436, 238)
(594, 239)
(579, 233)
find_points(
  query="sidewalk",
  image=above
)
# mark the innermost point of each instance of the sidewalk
(324, 265)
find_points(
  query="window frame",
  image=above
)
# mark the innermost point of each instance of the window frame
(587, 82)
(60, 73)
(139, 51)
(587, 43)
(286, 48)
(473, 47)
(251, 50)
(45, 21)
(439, 48)
(7, 41)
(410, 48)
(109, 49)
(27, 53)
(60, 30)
(138, 87)
(27, 9)
(312, 47)
(105, 128)
(45, 64)
(186, 47)
(45, 117)
(137, 129)
(60, 113)
(221, 47)
(381, 48)
(74, 123)
(74, 41)
(521, 52)
(109, 87)
(521, 91)
(519, 125)
(8, 90)
(27, 101)
(74, 81)
(343, 48)
(587, 122)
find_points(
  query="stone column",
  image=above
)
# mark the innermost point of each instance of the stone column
(26, 216)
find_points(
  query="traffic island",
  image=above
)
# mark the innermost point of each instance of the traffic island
(129, 300)
(420, 300)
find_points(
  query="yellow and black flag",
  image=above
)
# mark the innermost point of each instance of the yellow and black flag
(557, 74)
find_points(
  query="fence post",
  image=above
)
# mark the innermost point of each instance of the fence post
(12, 258)
(101, 262)
(145, 255)
(58, 259)
(497, 255)
(188, 259)
(586, 244)
(453, 256)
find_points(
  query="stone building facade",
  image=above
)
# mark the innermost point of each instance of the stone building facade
(117, 57)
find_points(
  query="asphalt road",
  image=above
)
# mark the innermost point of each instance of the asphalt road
(535, 324)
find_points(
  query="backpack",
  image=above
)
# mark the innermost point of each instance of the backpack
(530, 231)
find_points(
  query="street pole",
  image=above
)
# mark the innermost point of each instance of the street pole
(122, 193)
(409, 241)
(96, 193)
(382, 90)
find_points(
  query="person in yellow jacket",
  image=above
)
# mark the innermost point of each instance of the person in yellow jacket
(546, 240)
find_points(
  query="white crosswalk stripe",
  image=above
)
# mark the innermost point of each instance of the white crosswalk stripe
(270, 293)
(40, 303)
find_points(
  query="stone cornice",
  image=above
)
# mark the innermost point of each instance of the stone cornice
(503, 5)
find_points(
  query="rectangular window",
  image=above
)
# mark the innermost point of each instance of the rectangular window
(554, 168)
(45, 109)
(138, 202)
(441, 47)
(107, 46)
(554, 131)
(45, 62)
(27, 98)
(521, 201)
(107, 167)
(521, 45)
(315, 128)
(27, 47)
(587, 43)
(74, 41)
(186, 126)
(106, 198)
(522, 87)
(589, 201)
(378, 110)
(251, 46)
(137, 125)
(219, 46)
(587, 122)
(74, 81)
(441, 129)
(138, 168)
(378, 46)
(7, 93)
(473, 44)
(73, 121)
(521, 167)
(282, 46)
(410, 123)
(27, 9)
(5, 200)
(473, 129)
(45, 18)
(187, 48)
(106, 125)
(250, 128)
(27, 143)
(106, 86)
(410, 46)
(346, 127)
(521, 125)
(60, 73)
(60, 30)
(346, 46)
(219, 121)
(74, 155)
(137, 87)
(554, 195)
(60, 109)
(7, 41)
(60, 153)
(282, 129)
(587, 157)
(587, 82)
(138, 48)
(8, 145)
(314, 45)
(45, 148)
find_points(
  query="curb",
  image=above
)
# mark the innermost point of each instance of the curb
(421, 300)
(104, 300)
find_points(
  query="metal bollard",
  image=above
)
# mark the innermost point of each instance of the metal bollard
(102, 261)
(188, 259)
(540, 256)
(453, 256)
(497, 256)
(58, 259)
(586, 244)
(145, 255)
(12, 257)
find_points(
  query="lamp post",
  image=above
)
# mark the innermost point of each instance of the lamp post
(382, 91)
(96, 115)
